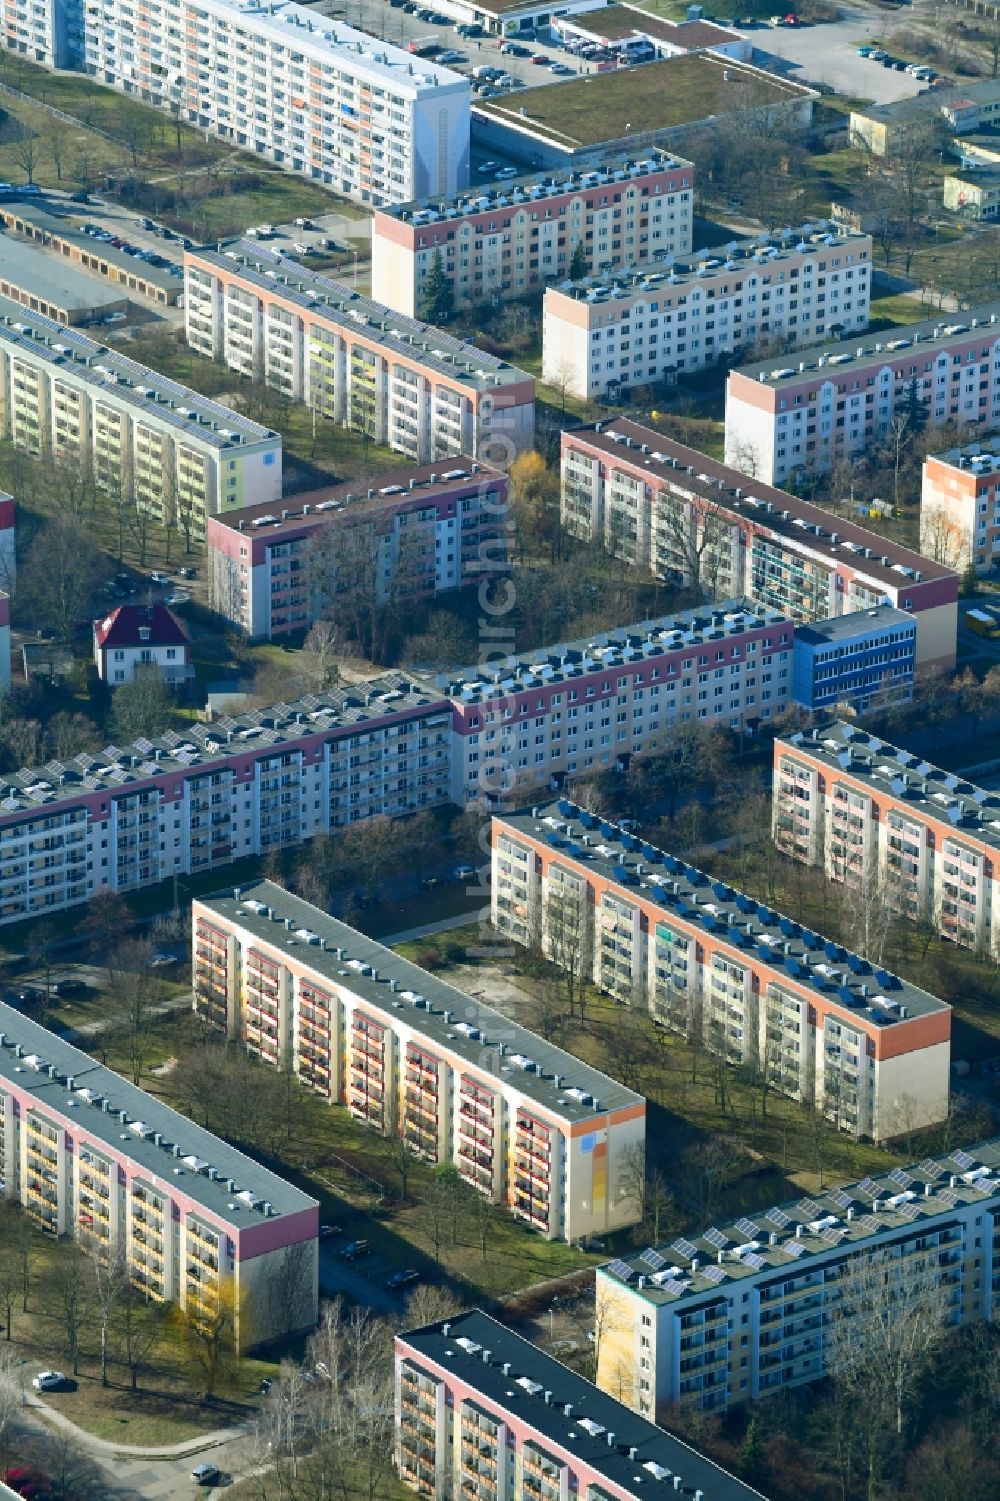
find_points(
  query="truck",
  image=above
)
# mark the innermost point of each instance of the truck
(982, 623)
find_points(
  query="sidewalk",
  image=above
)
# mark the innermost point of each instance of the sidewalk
(460, 920)
(108, 1448)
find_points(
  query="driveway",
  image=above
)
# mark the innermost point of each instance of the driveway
(828, 54)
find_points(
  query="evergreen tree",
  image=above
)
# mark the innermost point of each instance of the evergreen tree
(438, 300)
(579, 265)
(752, 1456)
(913, 409)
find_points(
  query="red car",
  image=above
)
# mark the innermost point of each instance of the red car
(540, 59)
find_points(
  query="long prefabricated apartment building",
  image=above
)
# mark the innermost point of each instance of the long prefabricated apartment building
(525, 1123)
(867, 1048)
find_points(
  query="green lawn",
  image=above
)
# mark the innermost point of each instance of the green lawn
(202, 187)
(609, 106)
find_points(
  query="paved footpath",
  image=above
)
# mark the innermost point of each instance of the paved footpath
(151, 1474)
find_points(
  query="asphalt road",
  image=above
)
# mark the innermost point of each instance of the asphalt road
(828, 54)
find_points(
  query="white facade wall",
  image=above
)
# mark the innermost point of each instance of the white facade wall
(355, 1028)
(656, 324)
(186, 818)
(420, 393)
(315, 96)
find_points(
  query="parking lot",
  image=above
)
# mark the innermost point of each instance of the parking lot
(828, 54)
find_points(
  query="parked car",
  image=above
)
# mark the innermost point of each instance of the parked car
(356, 1249)
(514, 49)
(158, 578)
(504, 173)
(463, 872)
(304, 224)
(206, 1474)
(449, 55)
(540, 59)
(560, 68)
(70, 988)
(327, 1232)
(49, 1381)
(403, 1279)
(186, 573)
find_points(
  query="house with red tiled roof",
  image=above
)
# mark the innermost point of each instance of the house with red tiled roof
(135, 636)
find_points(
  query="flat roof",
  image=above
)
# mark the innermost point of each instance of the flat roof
(850, 984)
(341, 305)
(80, 358)
(983, 455)
(617, 22)
(821, 1224)
(978, 177)
(810, 526)
(529, 189)
(932, 102)
(54, 219)
(537, 1388)
(663, 270)
(852, 627)
(858, 352)
(336, 43)
(458, 1023)
(918, 784)
(203, 747)
(421, 481)
(128, 1125)
(51, 277)
(646, 641)
(609, 106)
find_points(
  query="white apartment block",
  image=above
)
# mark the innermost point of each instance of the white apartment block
(840, 398)
(92, 1157)
(960, 505)
(588, 706)
(735, 1314)
(526, 1124)
(317, 97)
(406, 384)
(638, 327)
(427, 531)
(246, 785)
(877, 817)
(501, 240)
(705, 526)
(867, 1049)
(67, 399)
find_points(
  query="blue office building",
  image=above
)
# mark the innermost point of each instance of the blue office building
(863, 660)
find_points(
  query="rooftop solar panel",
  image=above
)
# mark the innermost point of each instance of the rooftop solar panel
(930, 1168)
(673, 1287)
(778, 1218)
(793, 1247)
(717, 1239)
(870, 1222)
(900, 1177)
(653, 1259)
(840, 1198)
(620, 1269)
(949, 1197)
(714, 1274)
(963, 1160)
(866, 1186)
(747, 1228)
(684, 1248)
(810, 1209)
(755, 1262)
